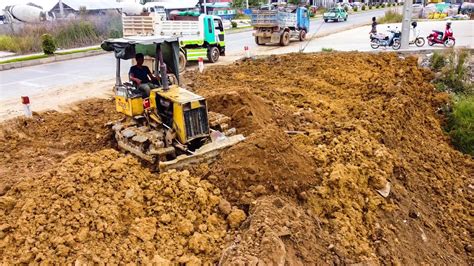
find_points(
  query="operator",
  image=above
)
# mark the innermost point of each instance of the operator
(142, 76)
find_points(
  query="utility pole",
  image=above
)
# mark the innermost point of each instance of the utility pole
(247, 4)
(61, 9)
(407, 14)
(205, 7)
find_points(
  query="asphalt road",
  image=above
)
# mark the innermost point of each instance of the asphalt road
(39, 79)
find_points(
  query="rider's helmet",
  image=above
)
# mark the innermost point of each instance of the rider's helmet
(414, 24)
(448, 24)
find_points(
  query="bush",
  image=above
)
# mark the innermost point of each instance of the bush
(437, 61)
(346, 8)
(370, 7)
(327, 50)
(461, 124)
(48, 44)
(354, 9)
(234, 24)
(391, 16)
(363, 7)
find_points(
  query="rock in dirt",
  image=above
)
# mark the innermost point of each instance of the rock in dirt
(235, 218)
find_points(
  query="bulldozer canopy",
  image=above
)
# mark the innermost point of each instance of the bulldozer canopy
(126, 48)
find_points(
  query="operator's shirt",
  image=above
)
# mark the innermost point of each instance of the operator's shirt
(141, 73)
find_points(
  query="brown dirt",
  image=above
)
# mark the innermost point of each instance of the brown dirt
(34, 145)
(370, 119)
(105, 207)
(367, 120)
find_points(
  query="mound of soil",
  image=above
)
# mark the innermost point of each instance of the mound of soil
(34, 145)
(266, 162)
(277, 232)
(104, 207)
(345, 162)
(370, 129)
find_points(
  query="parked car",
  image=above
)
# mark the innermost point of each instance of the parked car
(335, 14)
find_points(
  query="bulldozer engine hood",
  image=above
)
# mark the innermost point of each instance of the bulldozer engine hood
(126, 48)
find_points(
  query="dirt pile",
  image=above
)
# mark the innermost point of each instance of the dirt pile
(34, 145)
(267, 162)
(277, 232)
(105, 207)
(368, 127)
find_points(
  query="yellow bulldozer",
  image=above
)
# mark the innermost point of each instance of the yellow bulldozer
(171, 127)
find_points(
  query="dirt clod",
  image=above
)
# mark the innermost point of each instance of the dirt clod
(106, 207)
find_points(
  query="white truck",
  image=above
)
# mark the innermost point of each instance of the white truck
(199, 35)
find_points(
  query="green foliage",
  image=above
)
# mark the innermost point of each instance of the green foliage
(437, 61)
(234, 24)
(48, 44)
(370, 7)
(89, 30)
(391, 16)
(355, 8)
(454, 74)
(26, 58)
(327, 50)
(346, 8)
(363, 7)
(460, 124)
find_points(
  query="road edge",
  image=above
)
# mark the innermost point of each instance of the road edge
(52, 59)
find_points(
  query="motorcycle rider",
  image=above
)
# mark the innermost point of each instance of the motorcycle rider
(415, 32)
(373, 31)
(448, 31)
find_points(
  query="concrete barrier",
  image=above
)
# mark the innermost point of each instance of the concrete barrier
(54, 58)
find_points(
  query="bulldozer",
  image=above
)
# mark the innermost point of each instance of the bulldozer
(171, 127)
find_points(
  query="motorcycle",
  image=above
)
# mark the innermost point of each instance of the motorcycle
(438, 37)
(392, 39)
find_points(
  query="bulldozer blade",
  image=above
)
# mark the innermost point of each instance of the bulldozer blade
(207, 153)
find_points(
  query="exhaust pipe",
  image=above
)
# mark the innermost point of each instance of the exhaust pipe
(164, 75)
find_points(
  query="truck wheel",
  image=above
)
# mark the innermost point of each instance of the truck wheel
(258, 42)
(345, 19)
(302, 35)
(325, 20)
(182, 62)
(213, 54)
(285, 39)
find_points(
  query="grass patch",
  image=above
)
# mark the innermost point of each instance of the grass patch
(26, 58)
(391, 16)
(437, 61)
(79, 51)
(461, 124)
(41, 56)
(327, 50)
(454, 75)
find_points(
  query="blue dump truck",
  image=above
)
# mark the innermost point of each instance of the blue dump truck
(280, 25)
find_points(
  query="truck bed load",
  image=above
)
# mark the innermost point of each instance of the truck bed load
(180, 28)
(273, 18)
(137, 26)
